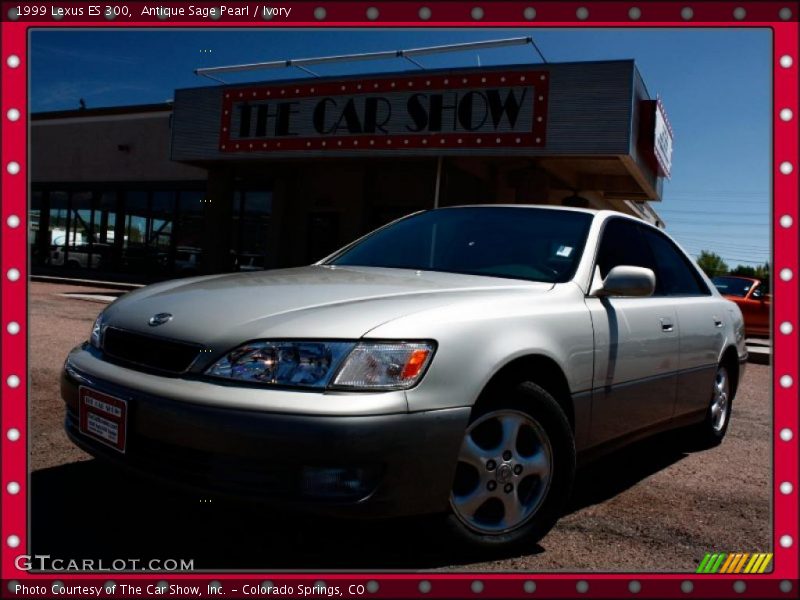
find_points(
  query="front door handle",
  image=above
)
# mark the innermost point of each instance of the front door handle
(666, 325)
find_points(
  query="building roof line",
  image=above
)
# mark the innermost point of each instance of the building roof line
(414, 71)
(103, 111)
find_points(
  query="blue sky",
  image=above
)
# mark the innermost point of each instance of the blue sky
(716, 85)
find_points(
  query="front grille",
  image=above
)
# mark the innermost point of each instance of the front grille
(159, 354)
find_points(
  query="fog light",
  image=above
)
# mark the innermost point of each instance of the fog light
(336, 482)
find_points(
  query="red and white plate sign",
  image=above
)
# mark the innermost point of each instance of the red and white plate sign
(102, 417)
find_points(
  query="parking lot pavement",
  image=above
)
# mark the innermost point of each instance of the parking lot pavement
(656, 506)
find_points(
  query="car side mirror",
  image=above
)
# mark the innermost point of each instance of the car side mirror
(625, 280)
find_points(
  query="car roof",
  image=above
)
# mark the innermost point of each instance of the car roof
(529, 206)
(600, 214)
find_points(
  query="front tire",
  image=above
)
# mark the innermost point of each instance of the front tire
(514, 473)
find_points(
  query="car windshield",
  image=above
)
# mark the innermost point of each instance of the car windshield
(518, 243)
(732, 286)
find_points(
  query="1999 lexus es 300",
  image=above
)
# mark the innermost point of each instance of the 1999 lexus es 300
(456, 361)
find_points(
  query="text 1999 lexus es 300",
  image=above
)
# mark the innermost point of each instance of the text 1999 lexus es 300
(456, 361)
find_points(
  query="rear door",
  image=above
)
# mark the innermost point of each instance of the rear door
(636, 344)
(701, 320)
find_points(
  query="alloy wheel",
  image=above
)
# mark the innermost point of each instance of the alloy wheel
(504, 471)
(720, 399)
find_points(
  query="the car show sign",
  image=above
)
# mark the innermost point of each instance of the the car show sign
(470, 110)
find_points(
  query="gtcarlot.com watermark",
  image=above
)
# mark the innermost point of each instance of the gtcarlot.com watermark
(45, 562)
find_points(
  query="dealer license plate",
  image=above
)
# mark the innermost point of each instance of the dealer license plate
(102, 417)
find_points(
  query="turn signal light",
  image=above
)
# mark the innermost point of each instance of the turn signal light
(416, 361)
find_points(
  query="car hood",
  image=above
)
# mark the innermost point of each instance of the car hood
(311, 302)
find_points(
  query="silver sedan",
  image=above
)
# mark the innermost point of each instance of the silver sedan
(458, 361)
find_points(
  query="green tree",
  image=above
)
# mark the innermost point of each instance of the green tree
(711, 263)
(744, 271)
(762, 272)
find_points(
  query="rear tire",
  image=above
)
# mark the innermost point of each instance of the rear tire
(514, 473)
(712, 430)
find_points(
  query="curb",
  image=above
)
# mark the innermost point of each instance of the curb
(759, 350)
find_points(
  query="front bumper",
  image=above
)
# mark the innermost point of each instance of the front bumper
(406, 461)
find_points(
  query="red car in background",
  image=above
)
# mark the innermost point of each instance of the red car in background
(753, 298)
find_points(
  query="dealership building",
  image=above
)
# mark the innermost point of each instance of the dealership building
(280, 173)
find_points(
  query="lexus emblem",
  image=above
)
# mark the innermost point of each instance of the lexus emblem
(159, 319)
(504, 473)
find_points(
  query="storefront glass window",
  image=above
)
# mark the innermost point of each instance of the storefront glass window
(161, 224)
(190, 229)
(118, 231)
(135, 219)
(258, 203)
(253, 230)
(105, 218)
(103, 231)
(80, 232)
(236, 224)
(137, 257)
(58, 217)
(188, 234)
(34, 228)
(57, 228)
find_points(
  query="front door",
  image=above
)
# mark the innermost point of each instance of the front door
(636, 344)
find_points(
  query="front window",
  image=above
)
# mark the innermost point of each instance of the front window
(517, 243)
(732, 286)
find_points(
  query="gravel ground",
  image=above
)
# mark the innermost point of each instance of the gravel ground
(655, 506)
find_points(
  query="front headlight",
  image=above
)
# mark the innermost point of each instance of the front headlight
(321, 364)
(96, 336)
(282, 363)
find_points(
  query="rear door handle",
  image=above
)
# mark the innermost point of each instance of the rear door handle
(717, 322)
(666, 325)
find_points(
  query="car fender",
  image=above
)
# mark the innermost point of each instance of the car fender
(476, 340)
